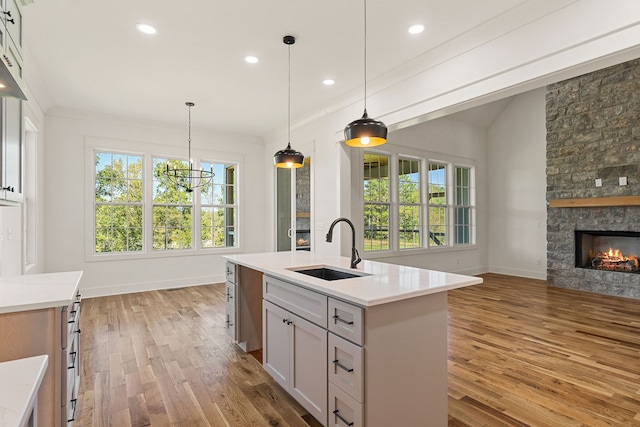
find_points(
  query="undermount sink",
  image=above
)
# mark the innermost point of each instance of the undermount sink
(326, 273)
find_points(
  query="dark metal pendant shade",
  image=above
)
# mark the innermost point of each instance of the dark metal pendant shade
(365, 132)
(288, 158)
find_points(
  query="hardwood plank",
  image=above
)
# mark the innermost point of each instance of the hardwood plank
(521, 353)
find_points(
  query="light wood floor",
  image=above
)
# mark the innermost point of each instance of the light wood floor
(520, 354)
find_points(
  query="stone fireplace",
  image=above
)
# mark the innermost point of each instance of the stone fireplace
(593, 176)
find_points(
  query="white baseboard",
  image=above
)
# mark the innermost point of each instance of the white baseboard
(93, 292)
(541, 275)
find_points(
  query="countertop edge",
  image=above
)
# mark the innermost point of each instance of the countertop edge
(40, 305)
(31, 371)
(309, 283)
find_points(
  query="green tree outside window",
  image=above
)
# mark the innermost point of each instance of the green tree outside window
(118, 203)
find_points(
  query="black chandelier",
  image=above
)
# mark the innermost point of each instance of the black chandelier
(189, 178)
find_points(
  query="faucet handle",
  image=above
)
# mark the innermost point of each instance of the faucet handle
(355, 258)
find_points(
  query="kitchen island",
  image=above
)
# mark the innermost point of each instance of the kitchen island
(369, 350)
(40, 315)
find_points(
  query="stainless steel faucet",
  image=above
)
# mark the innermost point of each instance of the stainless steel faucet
(355, 257)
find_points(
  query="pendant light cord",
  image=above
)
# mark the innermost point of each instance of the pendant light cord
(190, 165)
(289, 101)
(365, 56)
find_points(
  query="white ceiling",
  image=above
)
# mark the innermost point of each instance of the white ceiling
(91, 57)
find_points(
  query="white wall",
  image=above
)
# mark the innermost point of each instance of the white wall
(66, 200)
(517, 242)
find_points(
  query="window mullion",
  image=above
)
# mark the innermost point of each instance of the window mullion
(394, 215)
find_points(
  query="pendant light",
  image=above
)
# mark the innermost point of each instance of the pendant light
(366, 131)
(289, 158)
(189, 178)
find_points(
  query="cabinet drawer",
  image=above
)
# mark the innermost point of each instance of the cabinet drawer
(231, 317)
(230, 292)
(346, 320)
(344, 410)
(231, 272)
(70, 324)
(346, 366)
(230, 323)
(307, 304)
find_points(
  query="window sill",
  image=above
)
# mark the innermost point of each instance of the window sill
(418, 251)
(161, 254)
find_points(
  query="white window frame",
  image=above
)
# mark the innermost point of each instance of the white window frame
(395, 153)
(233, 206)
(125, 204)
(150, 151)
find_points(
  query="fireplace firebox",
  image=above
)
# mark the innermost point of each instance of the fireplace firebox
(608, 250)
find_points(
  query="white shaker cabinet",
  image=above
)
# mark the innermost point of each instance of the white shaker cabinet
(295, 349)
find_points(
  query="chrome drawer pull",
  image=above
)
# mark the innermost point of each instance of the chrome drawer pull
(337, 414)
(339, 365)
(336, 317)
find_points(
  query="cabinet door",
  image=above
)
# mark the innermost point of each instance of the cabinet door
(309, 367)
(231, 312)
(12, 150)
(276, 353)
(13, 21)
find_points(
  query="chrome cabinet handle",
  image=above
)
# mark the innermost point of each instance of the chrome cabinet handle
(341, 366)
(336, 317)
(337, 414)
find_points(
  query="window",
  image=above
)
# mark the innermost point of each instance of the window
(138, 213)
(409, 203)
(118, 219)
(463, 208)
(172, 209)
(437, 204)
(218, 207)
(376, 202)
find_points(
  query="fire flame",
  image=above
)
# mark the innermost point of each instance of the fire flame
(614, 257)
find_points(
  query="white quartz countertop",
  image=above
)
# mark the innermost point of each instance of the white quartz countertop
(37, 291)
(383, 283)
(20, 381)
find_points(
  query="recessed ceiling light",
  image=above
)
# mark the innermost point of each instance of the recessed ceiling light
(146, 28)
(251, 59)
(416, 29)
(328, 82)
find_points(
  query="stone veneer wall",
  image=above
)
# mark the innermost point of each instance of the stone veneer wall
(593, 131)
